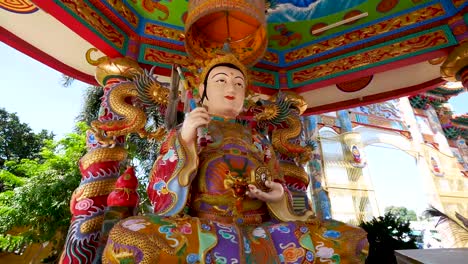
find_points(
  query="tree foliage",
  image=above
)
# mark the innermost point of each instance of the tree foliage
(36, 208)
(402, 212)
(385, 235)
(457, 225)
(17, 140)
(90, 109)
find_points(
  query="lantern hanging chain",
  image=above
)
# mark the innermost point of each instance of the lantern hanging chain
(228, 40)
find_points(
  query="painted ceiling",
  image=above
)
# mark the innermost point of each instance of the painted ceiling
(350, 45)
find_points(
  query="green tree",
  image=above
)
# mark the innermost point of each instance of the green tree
(17, 140)
(90, 109)
(38, 208)
(385, 235)
(402, 212)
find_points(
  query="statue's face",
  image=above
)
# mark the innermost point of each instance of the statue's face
(225, 92)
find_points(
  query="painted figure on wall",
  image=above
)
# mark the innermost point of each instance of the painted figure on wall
(387, 109)
(225, 202)
(435, 167)
(281, 11)
(356, 154)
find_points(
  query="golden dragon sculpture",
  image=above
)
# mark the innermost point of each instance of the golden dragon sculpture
(282, 112)
(128, 101)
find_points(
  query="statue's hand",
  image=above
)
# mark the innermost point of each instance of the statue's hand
(195, 119)
(276, 193)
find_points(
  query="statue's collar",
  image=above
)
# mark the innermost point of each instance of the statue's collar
(222, 119)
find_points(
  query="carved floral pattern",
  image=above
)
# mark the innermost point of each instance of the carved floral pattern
(263, 77)
(164, 32)
(165, 57)
(381, 54)
(95, 21)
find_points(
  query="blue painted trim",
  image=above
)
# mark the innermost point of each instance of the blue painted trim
(463, 6)
(162, 24)
(344, 120)
(450, 41)
(449, 7)
(281, 57)
(182, 192)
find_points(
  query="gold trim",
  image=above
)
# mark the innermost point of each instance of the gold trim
(123, 66)
(103, 154)
(92, 61)
(230, 58)
(92, 225)
(281, 211)
(455, 62)
(94, 189)
(191, 162)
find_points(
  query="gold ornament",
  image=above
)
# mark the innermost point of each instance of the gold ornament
(202, 67)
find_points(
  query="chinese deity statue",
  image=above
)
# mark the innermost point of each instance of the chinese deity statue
(225, 201)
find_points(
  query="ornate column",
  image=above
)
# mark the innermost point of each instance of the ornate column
(100, 167)
(320, 199)
(345, 122)
(353, 158)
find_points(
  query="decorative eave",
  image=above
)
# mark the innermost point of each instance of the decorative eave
(436, 97)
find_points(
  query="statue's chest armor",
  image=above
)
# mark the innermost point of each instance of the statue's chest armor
(231, 152)
(226, 167)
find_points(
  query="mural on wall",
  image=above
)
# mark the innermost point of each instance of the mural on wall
(388, 109)
(285, 36)
(424, 125)
(280, 11)
(456, 154)
(434, 120)
(357, 161)
(463, 148)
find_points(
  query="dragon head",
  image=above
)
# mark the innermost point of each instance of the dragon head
(279, 106)
(268, 112)
(295, 100)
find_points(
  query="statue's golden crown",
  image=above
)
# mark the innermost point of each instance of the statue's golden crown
(204, 66)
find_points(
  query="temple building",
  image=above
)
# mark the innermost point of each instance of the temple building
(420, 128)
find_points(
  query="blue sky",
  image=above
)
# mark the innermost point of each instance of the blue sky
(394, 184)
(33, 91)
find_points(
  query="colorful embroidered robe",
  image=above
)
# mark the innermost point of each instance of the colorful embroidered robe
(203, 216)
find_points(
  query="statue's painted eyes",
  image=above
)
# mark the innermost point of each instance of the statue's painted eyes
(221, 81)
